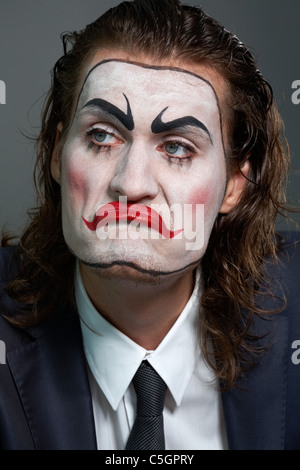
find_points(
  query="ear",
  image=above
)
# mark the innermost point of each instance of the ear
(235, 187)
(55, 159)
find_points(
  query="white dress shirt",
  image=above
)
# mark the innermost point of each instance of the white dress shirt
(193, 417)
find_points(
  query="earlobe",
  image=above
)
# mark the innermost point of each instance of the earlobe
(235, 187)
(55, 159)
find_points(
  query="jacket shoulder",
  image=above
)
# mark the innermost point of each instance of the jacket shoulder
(7, 263)
(10, 335)
(287, 270)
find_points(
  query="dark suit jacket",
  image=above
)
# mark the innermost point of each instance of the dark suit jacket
(45, 400)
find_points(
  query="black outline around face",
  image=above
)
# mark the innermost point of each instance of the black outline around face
(156, 67)
(157, 126)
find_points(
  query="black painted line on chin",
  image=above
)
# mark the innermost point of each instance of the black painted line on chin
(152, 273)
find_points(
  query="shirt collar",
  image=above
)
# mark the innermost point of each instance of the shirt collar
(114, 358)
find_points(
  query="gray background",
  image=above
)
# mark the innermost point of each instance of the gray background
(30, 45)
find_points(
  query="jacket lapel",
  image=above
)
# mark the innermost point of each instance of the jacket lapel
(255, 414)
(256, 417)
(50, 373)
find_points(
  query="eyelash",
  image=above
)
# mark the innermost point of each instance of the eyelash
(178, 160)
(98, 147)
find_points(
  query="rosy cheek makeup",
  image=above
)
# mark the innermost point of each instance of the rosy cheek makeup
(77, 183)
(205, 201)
(203, 194)
(76, 180)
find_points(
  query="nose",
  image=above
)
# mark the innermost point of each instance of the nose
(135, 175)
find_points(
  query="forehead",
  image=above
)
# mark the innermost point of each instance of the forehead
(155, 83)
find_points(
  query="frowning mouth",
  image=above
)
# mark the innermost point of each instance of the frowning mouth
(116, 211)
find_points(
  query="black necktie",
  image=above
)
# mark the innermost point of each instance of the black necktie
(148, 429)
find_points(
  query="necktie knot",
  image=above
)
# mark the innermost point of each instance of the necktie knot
(150, 390)
(148, 431)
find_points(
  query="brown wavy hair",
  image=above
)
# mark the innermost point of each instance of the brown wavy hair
(240, 240)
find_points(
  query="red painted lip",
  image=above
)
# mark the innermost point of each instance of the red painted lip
(115, 211)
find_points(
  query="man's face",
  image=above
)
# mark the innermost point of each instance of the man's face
(149, 140)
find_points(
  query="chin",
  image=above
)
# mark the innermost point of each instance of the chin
(138, 261)
(136, 270)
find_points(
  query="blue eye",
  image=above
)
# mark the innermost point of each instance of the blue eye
(100, 136)
(100, 139)
(103, 137)
(175, 150)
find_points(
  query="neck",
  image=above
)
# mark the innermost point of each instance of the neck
(143, 311)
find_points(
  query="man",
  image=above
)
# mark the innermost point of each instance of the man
(161, 167)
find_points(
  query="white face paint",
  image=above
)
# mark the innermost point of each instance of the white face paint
(150, 136)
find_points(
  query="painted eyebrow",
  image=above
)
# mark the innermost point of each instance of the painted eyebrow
(158, 126)
(125, 118)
